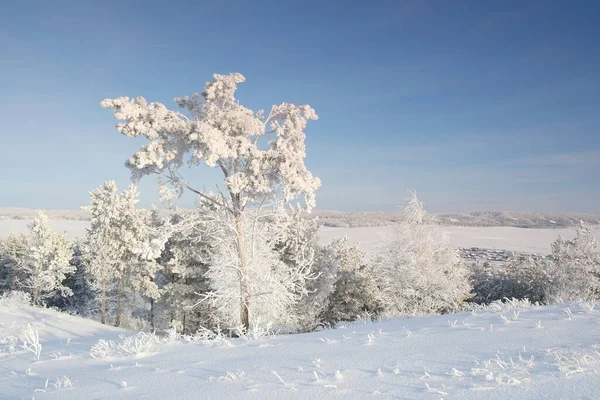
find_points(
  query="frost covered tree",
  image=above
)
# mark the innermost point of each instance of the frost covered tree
(46, 263)
(309, 309)
(12, 251)
(300, 251)
(354, 290)
(417, 271)
(116, 260)
(274, 286)
(182, 277)
(82, 301)
(521, 277)
(575, 268)
(261, 157)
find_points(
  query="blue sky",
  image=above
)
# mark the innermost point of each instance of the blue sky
(478, 105)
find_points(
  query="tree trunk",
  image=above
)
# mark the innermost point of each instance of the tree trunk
(152, 314)
(119, 294)
(103, 304)
(36, 296)
(244, 285)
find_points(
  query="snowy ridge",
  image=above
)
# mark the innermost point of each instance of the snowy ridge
(504, 351)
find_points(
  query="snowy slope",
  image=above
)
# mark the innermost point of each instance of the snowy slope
(539, 352)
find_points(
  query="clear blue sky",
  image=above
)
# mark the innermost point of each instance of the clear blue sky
(478, 105)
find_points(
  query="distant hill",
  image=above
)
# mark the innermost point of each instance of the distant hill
(347, 219)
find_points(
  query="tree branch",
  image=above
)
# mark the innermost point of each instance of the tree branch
(191, 189)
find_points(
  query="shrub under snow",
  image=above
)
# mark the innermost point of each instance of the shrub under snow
(128, 346)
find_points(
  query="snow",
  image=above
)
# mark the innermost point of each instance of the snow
(506, 238)
(514, 352)
(73, 228)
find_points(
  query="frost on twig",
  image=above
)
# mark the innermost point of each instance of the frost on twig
(128, 346)
(30, 338)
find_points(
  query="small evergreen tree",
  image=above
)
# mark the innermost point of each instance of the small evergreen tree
(12, 251)
(354, 291)
(182, 279)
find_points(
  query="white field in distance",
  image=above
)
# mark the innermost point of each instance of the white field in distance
(526, 240)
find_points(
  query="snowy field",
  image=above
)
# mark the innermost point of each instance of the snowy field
(72, 228)
(529, 353)
(506, 238)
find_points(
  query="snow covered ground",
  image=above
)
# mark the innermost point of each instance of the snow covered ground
(73, 228)
(505, 353)
(506, 238)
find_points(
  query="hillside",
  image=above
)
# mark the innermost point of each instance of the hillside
(502, 352)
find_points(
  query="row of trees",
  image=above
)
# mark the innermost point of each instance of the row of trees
(114, 275)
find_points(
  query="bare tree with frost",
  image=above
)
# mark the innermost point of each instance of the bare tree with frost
(274, 286)
(417, 271)
(261, 157)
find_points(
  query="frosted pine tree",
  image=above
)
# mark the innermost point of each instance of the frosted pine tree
(261, 157)
(46, 263)
(115, 249)
(182, 277)
(417, 271)
(354, 292)
(82, 302)
(12, 251)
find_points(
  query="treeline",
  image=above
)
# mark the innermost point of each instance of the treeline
(139, 269)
